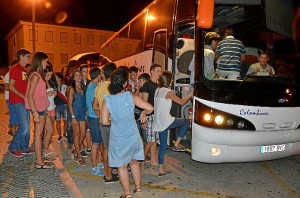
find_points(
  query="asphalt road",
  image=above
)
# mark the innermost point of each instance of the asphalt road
(275, 179)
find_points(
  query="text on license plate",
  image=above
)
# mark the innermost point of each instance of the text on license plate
(272, 148)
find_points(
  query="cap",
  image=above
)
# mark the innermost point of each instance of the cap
(212, 35)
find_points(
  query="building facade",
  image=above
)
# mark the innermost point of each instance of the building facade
(60, 43)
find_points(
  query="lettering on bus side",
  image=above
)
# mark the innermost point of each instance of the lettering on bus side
(142, 68)
(251, 112)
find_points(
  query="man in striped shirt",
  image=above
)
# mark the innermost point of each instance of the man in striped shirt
(230, 53)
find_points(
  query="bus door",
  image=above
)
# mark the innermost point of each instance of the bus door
(160, 52)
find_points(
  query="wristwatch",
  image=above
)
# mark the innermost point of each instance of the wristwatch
(73, 116)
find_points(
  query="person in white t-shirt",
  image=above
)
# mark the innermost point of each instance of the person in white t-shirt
(262, 67)
(162, 119)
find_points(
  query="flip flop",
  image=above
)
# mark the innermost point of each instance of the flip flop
(138, 192)
(44, 166)
(164, 173)
(51, 156)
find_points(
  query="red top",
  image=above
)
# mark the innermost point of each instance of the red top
(19, 74)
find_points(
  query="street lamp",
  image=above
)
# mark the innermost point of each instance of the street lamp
(33, 25)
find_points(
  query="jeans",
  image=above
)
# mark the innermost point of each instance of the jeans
(94, 126)
(21, 139)
(163, 135)
(61, 110)
(13, 118)
(143, 132)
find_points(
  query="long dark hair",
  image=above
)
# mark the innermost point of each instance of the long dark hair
(36, 64)
(165, 79)
(73, 84)
(118, 78)
(52, 81)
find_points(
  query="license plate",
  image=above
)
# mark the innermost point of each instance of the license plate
(272, 148)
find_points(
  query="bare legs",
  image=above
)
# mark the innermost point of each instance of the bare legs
(39, 130)
(48, 133)
(79, 130)
(88, 139)
(95, 154)
(124, 176)
(58, 128)
(151, 146)
(44, 122)
(107, 169)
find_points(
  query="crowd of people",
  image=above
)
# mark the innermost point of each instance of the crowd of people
(225, 58)
(115, 116)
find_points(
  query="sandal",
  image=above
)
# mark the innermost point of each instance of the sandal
(74, 155)
(164, 173)
(81, 161)
(125, 196)
(51, 156)
(44, 166)
(137, 192)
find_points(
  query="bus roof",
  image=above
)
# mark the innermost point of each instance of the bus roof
(78, 56)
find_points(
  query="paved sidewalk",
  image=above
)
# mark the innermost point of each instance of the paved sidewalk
(18, 177)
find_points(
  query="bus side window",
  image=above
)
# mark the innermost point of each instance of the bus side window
(249, 60)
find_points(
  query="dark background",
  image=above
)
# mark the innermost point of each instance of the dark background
(98, 14)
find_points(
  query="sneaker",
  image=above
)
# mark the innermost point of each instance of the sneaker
(100, 165)
(16, 153)
(178, 149)
(28, 152)
(88, 151)
(147, 158)
(113, 179)
(59, 139)
(83, 153)
(97, 171)
(65, 138)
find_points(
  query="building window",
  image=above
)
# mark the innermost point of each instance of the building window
(90, 39)
(102, 39)
(30, 35)
(64, 59)
(63, 37)
(48, 36)
(51, 57)
(77, 38)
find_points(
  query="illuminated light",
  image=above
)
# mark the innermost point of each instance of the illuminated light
(219, 119)
(241, 124)
(61, 17)
(48, 5)
(230, 122)
(151, 17)
(290, 94)
(215, 151)
(287, 91)
(207, 117)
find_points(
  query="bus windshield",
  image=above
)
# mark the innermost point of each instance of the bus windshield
(270, 51)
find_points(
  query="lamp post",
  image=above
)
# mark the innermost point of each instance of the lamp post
(33, 25)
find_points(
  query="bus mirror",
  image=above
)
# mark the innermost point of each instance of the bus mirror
(205, 13)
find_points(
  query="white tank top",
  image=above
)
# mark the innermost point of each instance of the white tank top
(162, 107)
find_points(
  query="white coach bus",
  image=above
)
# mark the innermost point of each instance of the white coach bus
(252, 118)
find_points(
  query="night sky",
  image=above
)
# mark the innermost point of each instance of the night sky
(98, 14)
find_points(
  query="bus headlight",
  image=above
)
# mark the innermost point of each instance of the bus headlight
(207, 117)
(241, 124)
(214, 118)
(219, 119)
(215, 151)
(230, 122)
